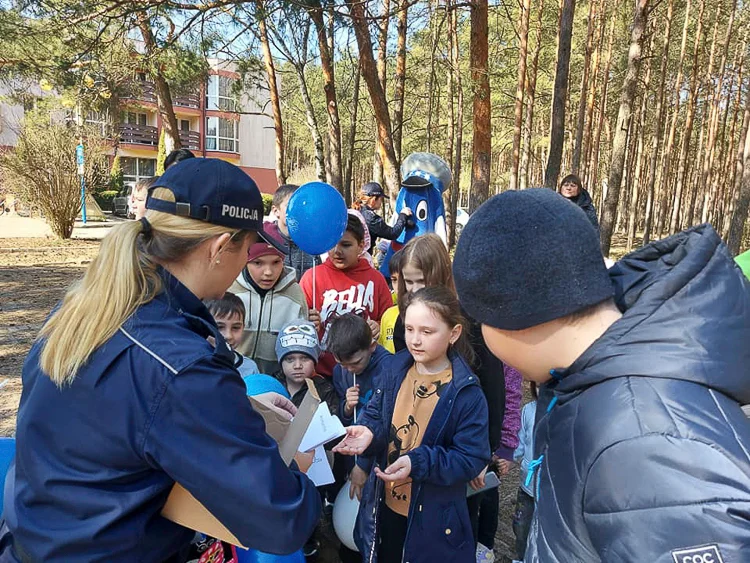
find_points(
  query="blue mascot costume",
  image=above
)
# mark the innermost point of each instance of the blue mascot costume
(425, 176)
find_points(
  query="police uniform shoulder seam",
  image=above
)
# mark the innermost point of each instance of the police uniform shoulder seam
(150, 352)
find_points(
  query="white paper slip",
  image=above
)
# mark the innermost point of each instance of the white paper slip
(320, 471)
(323, 428)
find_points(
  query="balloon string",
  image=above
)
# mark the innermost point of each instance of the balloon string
(314, 290)
(354, 379)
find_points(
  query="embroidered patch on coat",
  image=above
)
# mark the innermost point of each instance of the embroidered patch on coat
(702, 554)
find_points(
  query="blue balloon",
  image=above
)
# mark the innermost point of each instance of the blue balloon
(254, 556)
(258, 383)
(316, 217)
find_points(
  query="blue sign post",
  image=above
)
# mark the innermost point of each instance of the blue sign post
(79, 161)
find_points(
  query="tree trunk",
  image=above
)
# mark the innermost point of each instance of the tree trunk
(593, 168)
(659, 124)
(742, 178)
(560, 95)
(332, 105)
(377, 96)
(588, 125)
(398, 114)
(584, 87)
(352, 137)
(708, 160)
(623, 119)
(482, 115)
(273, 92)
(688, 127)
(459, 126)
(531, 73)
(161, 86)
(518, 109)
(378, 168)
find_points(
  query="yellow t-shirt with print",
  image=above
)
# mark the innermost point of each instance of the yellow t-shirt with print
(387, 324)
(415, 403)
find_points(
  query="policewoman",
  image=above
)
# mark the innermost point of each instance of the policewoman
(124, 394)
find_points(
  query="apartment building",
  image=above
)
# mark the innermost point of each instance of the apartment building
(211, 121)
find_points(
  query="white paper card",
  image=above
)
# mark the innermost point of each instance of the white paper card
(323, 428)
(320, 471)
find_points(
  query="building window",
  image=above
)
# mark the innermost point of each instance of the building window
(97, 120)
(134, 169)
(135, 118)
(219, 93)
(222, 134)
(184, 125)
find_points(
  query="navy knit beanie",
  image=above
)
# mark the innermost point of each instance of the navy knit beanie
(528, 257)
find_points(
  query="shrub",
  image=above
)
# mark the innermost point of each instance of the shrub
(267, 203)
(104, 198)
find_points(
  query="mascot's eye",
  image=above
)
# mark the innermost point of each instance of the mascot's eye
(291, 329)
(307, 329)
(422, 210)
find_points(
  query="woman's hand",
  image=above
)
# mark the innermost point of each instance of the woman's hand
(356, 441)
(406, 211)
(396, 471)
(477, 482)
(313, 315)
(278, 403)
(357, 480)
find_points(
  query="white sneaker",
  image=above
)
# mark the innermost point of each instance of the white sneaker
(484, 554)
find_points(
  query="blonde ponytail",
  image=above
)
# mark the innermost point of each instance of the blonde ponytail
(123, 276)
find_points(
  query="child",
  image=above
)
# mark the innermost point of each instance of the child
(388, 320)
(296, 258)
(272, 298)
(525, 498)
(298, 350)
(641, 445)
(346, 282)
(229, 314)
(360, 362)
(426, 263)
(427, 427)
(138, 196)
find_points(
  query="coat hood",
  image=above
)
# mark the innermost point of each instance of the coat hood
(686, 316)
(583, 199)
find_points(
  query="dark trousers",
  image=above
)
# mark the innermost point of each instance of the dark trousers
(392, 536)
(522, 521)
(484, 509)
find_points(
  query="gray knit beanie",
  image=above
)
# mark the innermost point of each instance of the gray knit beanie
(528, 257)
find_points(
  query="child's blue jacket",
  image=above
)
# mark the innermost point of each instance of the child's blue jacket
(454, 450)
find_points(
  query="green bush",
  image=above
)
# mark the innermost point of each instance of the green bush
(104, 198)
(267, 202)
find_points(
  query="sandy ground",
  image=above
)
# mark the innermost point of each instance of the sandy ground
(34, 274)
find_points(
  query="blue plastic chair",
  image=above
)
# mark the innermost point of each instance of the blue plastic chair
(7, 451)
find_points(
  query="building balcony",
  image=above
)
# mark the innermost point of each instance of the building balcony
(190, 140)
(133, 134)
(187, 101)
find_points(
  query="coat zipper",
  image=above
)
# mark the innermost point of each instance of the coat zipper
(260, 322)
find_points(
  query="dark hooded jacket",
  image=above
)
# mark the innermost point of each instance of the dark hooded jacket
(583, 200)
(642, 452)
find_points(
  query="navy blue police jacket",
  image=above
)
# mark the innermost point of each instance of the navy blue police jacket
(642, 449)
(454, 450)
(154, 405)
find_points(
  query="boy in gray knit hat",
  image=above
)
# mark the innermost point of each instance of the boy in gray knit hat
(641, 447)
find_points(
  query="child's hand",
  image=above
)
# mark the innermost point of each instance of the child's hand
(374, 328)
(396, 471)
(356, 441)
(352, 399)
(357, 480)
(503, 466)
(478, 482)
(313, 315)
(304, 460)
